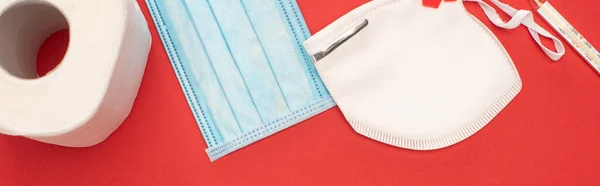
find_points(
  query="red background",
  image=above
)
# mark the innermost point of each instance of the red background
(549, 135)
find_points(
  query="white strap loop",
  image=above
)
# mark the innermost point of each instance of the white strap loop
(524, 17)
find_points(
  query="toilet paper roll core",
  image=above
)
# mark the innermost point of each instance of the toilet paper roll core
(24, 27)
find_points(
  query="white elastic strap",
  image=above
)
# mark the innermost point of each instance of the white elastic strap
(524, 17)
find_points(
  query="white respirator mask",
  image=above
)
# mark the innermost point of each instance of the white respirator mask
(418, 77)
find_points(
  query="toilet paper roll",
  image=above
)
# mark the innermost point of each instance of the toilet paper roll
(91, 92)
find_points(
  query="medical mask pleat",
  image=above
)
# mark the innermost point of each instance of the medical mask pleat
(242, 67)
(289, 11)
(277, 44)
(225, 66)
(255, 67)
(203, 74)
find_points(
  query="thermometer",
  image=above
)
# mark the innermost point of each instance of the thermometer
(568, 32)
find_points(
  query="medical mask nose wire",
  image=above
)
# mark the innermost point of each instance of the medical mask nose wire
(341, 40)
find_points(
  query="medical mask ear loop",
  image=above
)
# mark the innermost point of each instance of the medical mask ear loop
(524, 17)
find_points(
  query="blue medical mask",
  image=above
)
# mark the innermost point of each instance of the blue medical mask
(242, 67)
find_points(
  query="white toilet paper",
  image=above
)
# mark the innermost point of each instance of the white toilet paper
(91, 92)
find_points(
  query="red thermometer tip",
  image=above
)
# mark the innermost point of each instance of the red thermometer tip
(536, 3)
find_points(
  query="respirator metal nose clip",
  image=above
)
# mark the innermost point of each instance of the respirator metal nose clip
(340, 40)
